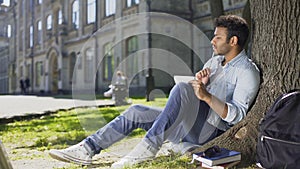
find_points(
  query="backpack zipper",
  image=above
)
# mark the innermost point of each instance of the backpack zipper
(279, 140)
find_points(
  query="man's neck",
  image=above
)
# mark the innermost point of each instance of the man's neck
(229, 56)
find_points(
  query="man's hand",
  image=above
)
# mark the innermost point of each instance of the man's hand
(217, 105)
(203, 75)
(200, 90)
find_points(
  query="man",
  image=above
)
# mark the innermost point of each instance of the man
(196, 112)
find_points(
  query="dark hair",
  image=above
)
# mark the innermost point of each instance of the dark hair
(236, 26)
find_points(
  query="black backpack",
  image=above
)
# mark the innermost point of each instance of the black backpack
(279, 137)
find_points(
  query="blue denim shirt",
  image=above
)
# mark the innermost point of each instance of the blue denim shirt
(236, 84)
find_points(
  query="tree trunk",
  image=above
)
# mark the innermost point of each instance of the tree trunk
(276, 51)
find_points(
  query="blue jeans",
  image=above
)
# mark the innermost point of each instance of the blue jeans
(182, 120)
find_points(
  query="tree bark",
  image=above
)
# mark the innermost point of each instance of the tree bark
(276, 50)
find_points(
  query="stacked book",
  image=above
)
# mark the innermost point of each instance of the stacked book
(220, 160)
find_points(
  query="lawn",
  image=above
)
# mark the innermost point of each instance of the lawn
(64, 128)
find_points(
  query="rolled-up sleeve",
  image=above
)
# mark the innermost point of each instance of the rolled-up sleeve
(247, 86)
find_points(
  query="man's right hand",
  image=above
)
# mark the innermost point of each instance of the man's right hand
(203, 75)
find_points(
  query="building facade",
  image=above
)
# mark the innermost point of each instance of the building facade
(65, 45)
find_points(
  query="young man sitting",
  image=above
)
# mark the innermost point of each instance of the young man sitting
(195, 113)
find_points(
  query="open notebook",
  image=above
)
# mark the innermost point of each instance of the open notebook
(178, 78)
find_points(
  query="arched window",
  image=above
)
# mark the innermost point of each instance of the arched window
(75, 14)
(91, 11)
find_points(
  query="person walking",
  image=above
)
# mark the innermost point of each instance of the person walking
(22, 86)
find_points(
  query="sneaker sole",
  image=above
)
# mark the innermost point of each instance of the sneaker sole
(66, 158)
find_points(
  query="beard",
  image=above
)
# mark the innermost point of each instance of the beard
(223, 50)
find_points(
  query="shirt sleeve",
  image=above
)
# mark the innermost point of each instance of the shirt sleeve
(243, 96)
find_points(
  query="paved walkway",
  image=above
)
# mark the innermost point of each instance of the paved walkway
(12, 106)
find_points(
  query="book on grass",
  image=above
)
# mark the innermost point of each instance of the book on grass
(178, 78)
(220, 166)
(224, 156)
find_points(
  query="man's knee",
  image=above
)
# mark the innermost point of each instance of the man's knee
(186, 89)
(141, 113)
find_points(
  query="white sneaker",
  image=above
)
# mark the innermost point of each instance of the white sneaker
(74, 154)
(142, 152)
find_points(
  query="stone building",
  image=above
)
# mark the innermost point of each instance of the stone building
(5, 34)
(65, 45)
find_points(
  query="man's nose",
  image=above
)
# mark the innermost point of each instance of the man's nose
(212, 41)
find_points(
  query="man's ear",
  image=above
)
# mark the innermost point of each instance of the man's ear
(234, 40)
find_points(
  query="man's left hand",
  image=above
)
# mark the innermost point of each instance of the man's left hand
(200, 90)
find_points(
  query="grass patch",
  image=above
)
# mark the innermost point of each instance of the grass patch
(65, 128)
(62, 129)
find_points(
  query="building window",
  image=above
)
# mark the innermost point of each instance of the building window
(110, 7)
(39, 33)
(21, 73)
(88, 67)
(38, 73)
(31, 36)
(132, 64)
(28, 71)
(72, 71)
(60, 17)
(108, 62)
(49, 22)
(8, 31)
(91, 11)
(132, 2)
(5, 2)
(75, 14)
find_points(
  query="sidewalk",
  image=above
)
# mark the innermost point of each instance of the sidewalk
(18, 106)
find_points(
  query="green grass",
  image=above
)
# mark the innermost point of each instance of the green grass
(65, 128)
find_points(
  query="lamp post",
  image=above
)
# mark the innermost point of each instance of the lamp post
(32, 47)
(149, 76)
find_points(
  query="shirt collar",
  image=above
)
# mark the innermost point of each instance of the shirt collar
(237, 58)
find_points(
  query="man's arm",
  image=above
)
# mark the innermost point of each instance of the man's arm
(202, 78)
(216, 104)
